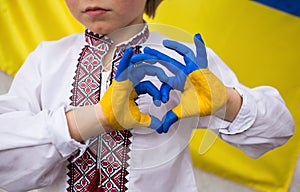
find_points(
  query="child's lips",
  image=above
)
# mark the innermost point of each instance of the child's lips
(95, 11)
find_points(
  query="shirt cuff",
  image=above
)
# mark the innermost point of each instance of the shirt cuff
(60, 136)
(246, 116)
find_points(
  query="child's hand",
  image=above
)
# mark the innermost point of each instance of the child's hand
(118, 103)
(202, 92)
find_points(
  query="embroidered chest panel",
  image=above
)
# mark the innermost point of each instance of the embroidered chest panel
(104, 165)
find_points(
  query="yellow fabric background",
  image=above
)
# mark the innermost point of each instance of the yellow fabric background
(259, 43)
(25, 23)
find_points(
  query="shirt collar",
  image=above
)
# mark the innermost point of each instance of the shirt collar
(98, 40)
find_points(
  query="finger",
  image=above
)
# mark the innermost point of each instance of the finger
(186, 52)
(201, 58)
(170, 63)
(123, 65)
(199, 38)
(178, 81)
(137, 58)
(169, 119)
(182, 49)
(147, 87)
(165, 92)
(141, 70)
(159, 129)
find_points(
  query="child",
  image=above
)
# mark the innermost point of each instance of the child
(61, 129)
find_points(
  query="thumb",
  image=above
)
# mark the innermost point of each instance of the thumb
(123, 65)
(155, 122)
(169, 119)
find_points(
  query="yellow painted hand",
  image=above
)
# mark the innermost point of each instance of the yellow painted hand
(202, 92)
(118, 103)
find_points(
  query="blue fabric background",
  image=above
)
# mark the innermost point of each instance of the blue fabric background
(288, 6)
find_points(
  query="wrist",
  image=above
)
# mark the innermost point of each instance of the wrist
(86, 122)
(73, 130)
(233, 104)
(101, 118)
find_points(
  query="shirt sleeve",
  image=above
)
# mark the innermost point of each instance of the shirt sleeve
(263, 122)
(34, 142)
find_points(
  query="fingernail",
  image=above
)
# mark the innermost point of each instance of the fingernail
(157, 103)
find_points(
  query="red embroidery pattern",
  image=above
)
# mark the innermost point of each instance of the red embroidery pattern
(111, 150)
(115, 149)
(114, 161)
(83, 170)
(86, 91)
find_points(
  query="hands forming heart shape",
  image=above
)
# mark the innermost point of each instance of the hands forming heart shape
(202, 93)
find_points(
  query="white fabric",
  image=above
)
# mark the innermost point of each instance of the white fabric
(35, 142)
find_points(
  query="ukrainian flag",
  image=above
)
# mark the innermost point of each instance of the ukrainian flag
(259, 40)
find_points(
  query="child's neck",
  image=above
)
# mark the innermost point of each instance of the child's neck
(125, 34)
(118, 37)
